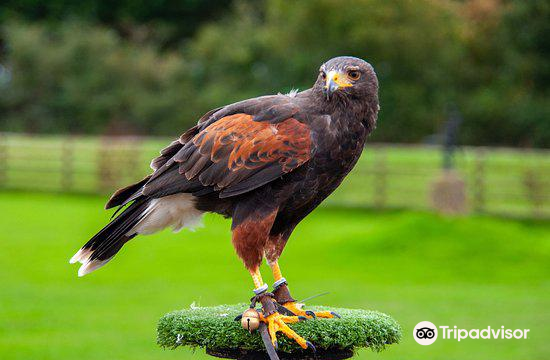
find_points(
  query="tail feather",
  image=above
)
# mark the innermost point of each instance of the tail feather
(125, 195)
(144, 215)
(108, 241)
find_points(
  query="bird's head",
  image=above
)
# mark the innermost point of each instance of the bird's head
(347, 77)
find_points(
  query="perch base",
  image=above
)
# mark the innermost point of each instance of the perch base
(215, 329)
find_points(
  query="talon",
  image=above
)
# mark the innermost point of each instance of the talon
(335, 314)
(311, 313)
(302, 318)
(311, 346)
(278, 323)
(276, 345)
(238, 317)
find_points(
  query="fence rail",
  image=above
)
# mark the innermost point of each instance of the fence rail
(496, 180)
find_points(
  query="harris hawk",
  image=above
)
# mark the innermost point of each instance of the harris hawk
(266, 163)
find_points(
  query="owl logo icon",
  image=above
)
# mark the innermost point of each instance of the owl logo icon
(425, 333)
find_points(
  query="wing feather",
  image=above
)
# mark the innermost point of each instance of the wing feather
(237, 154)
(232, 150)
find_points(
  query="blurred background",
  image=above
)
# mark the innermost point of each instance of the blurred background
(445, 218)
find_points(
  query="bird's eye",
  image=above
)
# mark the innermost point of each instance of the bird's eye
(354, 74)
(323, 75)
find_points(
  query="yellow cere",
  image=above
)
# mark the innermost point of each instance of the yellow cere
(339, 78)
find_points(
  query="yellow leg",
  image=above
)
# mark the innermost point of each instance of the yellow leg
(257, 278)
(296, 307)
(277, 275)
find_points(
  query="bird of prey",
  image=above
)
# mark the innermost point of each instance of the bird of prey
(266, 163)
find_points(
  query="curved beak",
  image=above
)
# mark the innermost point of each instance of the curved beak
(335, 80)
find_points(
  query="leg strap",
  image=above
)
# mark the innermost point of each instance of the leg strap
(266, 299)
(261, 289)
(282, 294)
(279, 282)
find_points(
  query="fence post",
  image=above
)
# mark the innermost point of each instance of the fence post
(134, 159)
(105, 176)
(67, 164)
(479, 181)
(534, 191)
(380, 177)
(3, 160)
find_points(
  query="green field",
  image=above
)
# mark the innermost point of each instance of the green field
(468, 271)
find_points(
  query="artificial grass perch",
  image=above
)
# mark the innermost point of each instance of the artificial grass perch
(215, 330)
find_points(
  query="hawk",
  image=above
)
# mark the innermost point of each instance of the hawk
(266, 163)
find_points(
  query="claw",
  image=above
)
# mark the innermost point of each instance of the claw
(311, 313)
(279, 323)
(238, 317)
(335, 314)
(311, 346)
(302, 318)
(276, 345)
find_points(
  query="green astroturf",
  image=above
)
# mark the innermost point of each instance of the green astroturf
(472, 272)
(215, 328)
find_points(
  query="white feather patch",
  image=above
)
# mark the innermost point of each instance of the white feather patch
(81, 256)
(291, 93)
(89, 266)
(177, 211)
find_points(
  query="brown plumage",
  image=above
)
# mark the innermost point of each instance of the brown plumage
(265, 162)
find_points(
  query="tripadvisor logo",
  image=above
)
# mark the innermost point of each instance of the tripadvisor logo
(425, 333)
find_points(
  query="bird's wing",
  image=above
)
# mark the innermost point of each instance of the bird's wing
(233, 155)
(231, 150)
(169, 151)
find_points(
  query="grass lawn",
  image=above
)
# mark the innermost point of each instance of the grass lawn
(471, 272)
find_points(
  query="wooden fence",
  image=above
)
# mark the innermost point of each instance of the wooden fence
(498, 181)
